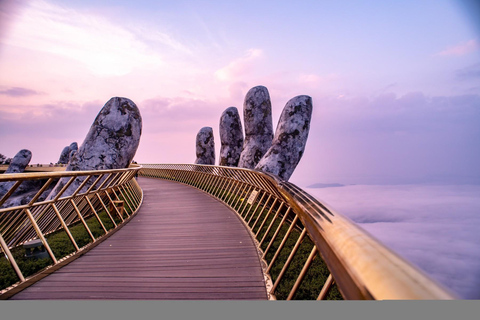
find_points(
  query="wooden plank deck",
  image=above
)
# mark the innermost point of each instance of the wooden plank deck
(182, 245)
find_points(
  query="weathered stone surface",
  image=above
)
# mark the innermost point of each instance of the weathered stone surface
(26, 191)
(73, 146)
(64, 155)
(231, 137)
(20, 161)
(205, 146)
(67, 152)
(18, 165)
(257, 119)
(290, 138)
(70, 156)
(111, 143)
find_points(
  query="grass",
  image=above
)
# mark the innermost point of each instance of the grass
(315, 277)
(317, 273)
(60, 244)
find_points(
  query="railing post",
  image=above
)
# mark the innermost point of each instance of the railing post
(114, 206)
(266, 216)
(256, 208)
(302, 273)
(65, 226)
(11, 259)
(106, 210)
(40, 235)
(326, 287)
(260, 213)
(289, 260)
(271, 224)
(95, 213)
(276, 232)
(81, 219)
(280, 247)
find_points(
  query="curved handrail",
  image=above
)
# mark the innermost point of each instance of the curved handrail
(106, 196)
(361, 266)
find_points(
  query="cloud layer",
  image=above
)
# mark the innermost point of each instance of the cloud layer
(19, 92)
(433, 226)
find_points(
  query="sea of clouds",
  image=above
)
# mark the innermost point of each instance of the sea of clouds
(435, 227)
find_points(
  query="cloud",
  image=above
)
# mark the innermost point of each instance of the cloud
(8, 11)
(168, 135)
(237, 91)
(392, 139)
(309, 78)
(460, 49)
(45, 129)
(413, 112)
(174, 113)
(19, 92)
(435, 227)
(47, 120)
(470, 72)
(68, 118)
(240, 66)
(106, 49)
(154, 36)
(314, 80)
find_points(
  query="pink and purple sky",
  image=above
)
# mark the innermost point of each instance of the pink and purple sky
(395, 88)
(395, 84)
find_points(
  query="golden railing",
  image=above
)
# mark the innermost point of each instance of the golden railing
(104, 198)
(305, 246)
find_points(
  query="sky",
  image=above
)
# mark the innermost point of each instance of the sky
(395, 85)
(395, 88)
(435, 227)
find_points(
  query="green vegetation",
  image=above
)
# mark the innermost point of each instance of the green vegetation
(315, 277)
(60, 244)
(317, 273)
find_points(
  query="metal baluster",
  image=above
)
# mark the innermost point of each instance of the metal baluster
(40, 235)
(260, 213)
(289, 260)
(302, 273)
(11, 259)
(266, 217)
(81, 219)
(106, 209)
(326, 287)
(276, 232)
(59, 216)
(256, 208)
(285, 237)
(271, 224)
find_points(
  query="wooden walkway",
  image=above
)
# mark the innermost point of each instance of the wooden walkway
(182, 245)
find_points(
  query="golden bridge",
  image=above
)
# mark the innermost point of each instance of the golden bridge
(191, 232)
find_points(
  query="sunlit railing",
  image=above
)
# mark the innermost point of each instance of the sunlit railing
(85, 215)
(308, 250)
